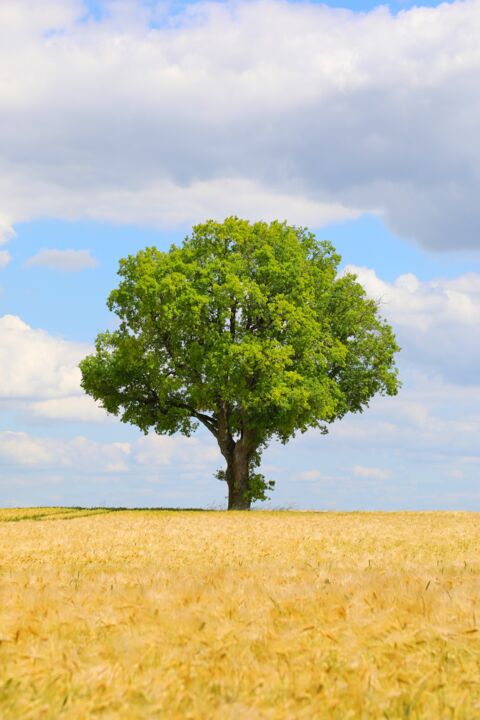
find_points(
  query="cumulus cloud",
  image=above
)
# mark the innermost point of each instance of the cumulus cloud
(64, 260)
(262, 108)
(34, 364)
(436, 321)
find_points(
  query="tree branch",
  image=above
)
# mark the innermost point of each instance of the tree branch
(224, 437)
(233, 320)
(209, 422)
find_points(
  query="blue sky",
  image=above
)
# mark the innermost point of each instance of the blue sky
(98, 9)
(133, 126)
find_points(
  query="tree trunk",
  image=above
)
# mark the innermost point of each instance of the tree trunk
(237, 479)
(237, 455)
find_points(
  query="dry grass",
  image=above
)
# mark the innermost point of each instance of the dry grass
(260, 615)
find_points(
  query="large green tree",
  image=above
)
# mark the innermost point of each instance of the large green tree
(248, 329)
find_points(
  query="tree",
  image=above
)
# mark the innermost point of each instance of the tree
(247, 329)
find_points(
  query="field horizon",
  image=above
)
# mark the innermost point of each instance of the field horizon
(45, 511)
(273, 614)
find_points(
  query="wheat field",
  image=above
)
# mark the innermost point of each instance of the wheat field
(157, 614)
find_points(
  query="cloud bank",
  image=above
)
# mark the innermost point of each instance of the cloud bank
(258, 108)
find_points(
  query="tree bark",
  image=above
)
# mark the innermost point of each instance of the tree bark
(237, 455)
(237, 479)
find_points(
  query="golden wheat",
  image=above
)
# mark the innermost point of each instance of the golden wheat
(239, 615)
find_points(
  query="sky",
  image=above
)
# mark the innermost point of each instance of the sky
(124, 123)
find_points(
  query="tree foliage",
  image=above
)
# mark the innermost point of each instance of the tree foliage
(245, 328)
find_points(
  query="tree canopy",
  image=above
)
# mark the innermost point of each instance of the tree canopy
(248, 329)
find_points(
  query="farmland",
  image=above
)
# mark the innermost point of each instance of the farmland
(145, 614)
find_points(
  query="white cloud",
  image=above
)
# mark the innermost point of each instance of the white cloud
(155, 450)
(19, 448)
(430, 418)
(85, 456)
(371, 472)
(77, 407)
(309, 475)
(425, 305)
(116, 467)
(436, 321)
(40, 373)
(5, 258)
(34, 364)
(263, 108)
(6, 230)
(168, 204)
(79, 453)
(420, 447)
(64, 260)
(431, 429)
